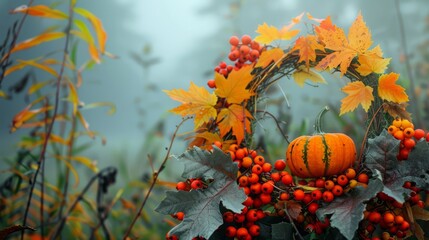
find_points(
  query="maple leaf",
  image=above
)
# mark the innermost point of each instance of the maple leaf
(201, 207)
(236, 118)
(372, 62)
(397, 110)
(358, 93)
(347, 212)
(271, 33)
(197, 101)
(306, 47)
(389, 90)
(380, 157)
(302, 74)
(346, 48)
(269, 56)
(234, 89)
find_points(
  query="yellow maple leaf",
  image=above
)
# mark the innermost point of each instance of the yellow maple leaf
(357, 43)
(389, 90)
(302, 74)
(196, 101)
(357, 93)
(306, 47)
(372, 62)
(269, 56)
(236, 118)
(271, 33)
(234, 89)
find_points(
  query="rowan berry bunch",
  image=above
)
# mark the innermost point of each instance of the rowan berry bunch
(403, 130)
(385, 218)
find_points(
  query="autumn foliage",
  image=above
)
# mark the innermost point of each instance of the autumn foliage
(359, 199)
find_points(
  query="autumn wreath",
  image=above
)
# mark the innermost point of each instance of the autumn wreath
(325, 188)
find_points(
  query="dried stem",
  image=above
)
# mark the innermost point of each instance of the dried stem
(364, 140)
(155, 178)
(51, 125)
(80, 197)
(277, 124)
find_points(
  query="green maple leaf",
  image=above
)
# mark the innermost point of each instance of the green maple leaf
(347, 211)
(381, 156)
(201, 207)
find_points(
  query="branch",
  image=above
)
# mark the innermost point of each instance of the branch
(108, 170)
(155, 178)
(51, 125)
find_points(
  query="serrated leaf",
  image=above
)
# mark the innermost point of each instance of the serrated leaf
(306, 47)
(381, 156)
(40, 11)
(269, 56)
(201, 207)
(347, 211)
(372, 63)
(196, 101)
(234, 88)
(271, 33)
(302, 74)
(389, 90)
(235, 118)
(357, 94)
(397, 110)
(345, 49)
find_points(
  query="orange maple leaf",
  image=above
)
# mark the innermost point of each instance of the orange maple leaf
(389, 90)
(345, 48)
(236, 118)
(269, 56)
(196, 101)
(234, 89)
(306, 47)
(271, 33)
(372, 62)
(357, 93)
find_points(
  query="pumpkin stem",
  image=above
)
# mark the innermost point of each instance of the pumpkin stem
(318, 121)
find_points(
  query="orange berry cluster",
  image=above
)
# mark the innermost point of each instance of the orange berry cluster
(386, 214)
(313, 193)
(244, 52)
(253, 172)
(403, 130)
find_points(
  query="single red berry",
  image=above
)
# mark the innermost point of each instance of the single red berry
(211, 83)
(342, 180)
(328, 196)
(280, 165)
(316, 194)
(287, 179)
(312, 208)
(298, 194)
(230, 231)
(255, 230)
(419, 134)
(234, 40)
(246, 39)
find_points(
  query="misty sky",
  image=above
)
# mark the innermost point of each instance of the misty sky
(187, 38)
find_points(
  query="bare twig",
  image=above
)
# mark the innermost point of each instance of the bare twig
(285, 136)
(107, 170)
(415, 103)
(51, 125)
(155, 178)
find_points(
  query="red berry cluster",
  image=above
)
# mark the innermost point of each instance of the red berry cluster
(403, 130)
(386, 214)
(244, 52)
(253, 179)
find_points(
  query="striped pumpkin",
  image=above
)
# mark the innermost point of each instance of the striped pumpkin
(322, 154)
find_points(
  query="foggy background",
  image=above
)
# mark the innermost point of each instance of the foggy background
(166, 44)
